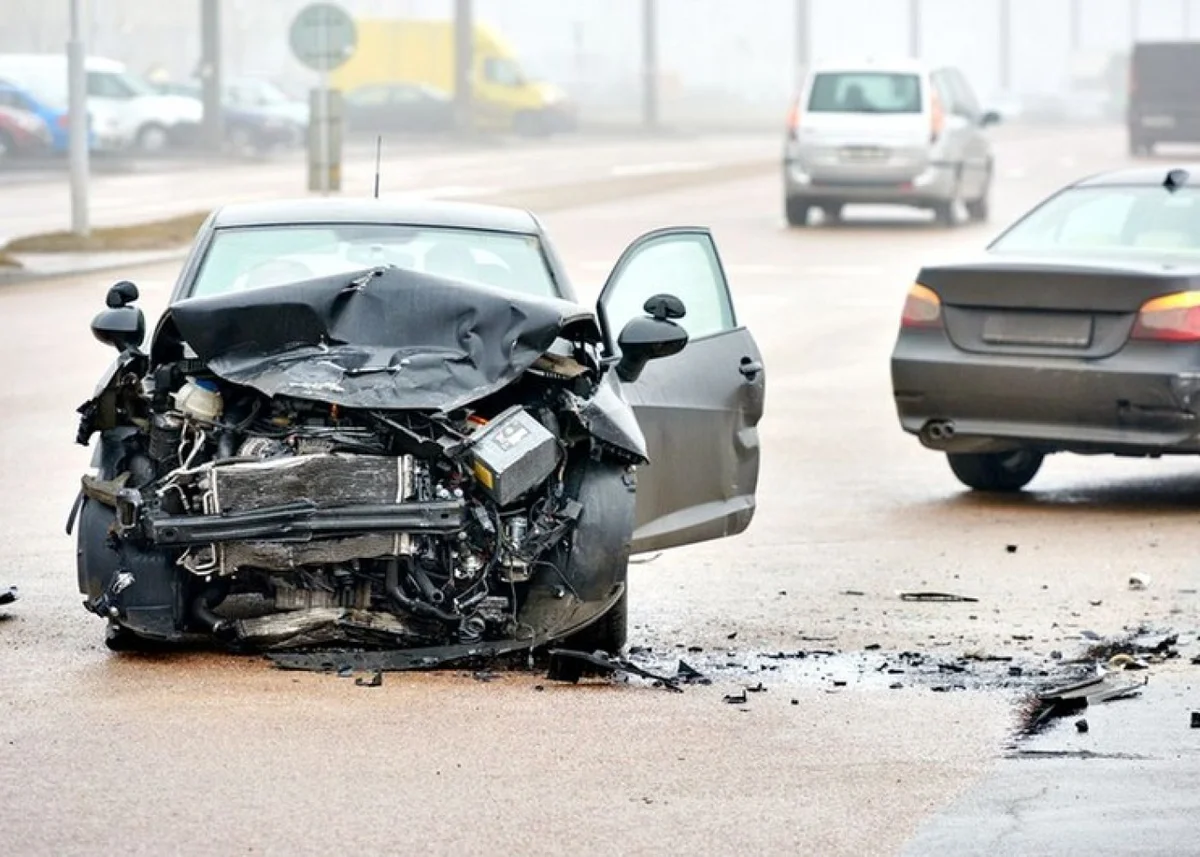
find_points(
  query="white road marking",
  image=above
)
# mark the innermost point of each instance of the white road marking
(621, 170)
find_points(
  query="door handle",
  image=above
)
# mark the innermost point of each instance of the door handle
(750, 369)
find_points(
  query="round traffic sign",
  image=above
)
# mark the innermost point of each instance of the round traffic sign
(323, 36)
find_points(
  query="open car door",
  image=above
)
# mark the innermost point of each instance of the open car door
(698, 409)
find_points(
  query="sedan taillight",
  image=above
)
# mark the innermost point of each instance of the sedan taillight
(1171, 318)
(922, 308)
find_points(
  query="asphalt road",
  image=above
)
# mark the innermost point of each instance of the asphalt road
(206, 754)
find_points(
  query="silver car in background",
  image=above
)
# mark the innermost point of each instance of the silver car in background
(895, 134)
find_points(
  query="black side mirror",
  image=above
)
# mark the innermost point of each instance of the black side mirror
(122, 326)
(990, 118)
(649, 338)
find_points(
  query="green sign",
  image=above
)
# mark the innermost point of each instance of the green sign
(323, 36)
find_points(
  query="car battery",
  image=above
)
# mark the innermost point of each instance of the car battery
(513, 454)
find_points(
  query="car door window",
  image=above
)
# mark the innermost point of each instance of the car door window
(105, 85)
(502, 72)
(964, 95)
(683, 264)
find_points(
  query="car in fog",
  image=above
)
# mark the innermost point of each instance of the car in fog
(22, 134)
(398, 108)
(1077, 330)
(1163, 105)
(901, 133)
(247, 130)
(122, 107)
(383, 424)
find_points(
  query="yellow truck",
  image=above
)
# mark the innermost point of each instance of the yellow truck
(504, 98)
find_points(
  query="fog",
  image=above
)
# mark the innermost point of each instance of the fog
(717, 58)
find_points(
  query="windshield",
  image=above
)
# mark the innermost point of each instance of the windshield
(865, 92)
(256, 257)
(1122, 220)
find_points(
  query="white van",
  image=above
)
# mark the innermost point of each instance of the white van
(125, 111)
(898, 133)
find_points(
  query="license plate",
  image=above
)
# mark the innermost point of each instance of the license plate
(861, 154)
(1063, 331)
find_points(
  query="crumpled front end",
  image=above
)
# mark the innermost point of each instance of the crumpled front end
(272, 521)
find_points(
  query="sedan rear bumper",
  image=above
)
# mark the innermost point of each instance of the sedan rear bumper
(1143, 400)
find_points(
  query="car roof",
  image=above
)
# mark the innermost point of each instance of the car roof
(311, 210)
(889, 64)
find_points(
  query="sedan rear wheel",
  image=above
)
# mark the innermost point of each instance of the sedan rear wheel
(996, 471)
(796, 211)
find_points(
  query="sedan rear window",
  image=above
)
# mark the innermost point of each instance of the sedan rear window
(1142, 220)
(865, 92)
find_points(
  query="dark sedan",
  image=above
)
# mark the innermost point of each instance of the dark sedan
(399, 108)
(1077, 331)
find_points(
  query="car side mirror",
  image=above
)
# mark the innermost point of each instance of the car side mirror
(651, 337)
(991, 117)
(122, 325)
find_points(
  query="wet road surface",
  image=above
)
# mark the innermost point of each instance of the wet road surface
(201, 754)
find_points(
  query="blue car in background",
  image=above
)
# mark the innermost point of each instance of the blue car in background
(51, 112)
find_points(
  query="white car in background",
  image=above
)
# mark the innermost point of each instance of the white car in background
(124, 109)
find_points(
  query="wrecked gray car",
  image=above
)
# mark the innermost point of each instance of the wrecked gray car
(380, 426)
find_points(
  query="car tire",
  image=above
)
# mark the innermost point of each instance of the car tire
(979, 210)
(608, 634)
(153, 139)
(999, 472)
(831, 214)
(118, 638)
(796, 212)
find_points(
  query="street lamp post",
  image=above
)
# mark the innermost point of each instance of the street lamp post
(77, 118)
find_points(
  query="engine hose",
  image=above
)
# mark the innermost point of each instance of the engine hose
(412, 605)
(202, 611)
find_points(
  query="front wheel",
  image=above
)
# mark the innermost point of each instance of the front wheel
(608, 634)
(796, 211)
(996, 471)
(980, 209)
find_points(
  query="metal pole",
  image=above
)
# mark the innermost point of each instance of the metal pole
(914, 28)
(77, 114)
(323, 151)
(1076, 24)
(464, 63)
(210, 71)
(650, 63)
(803, 37)
(1005, 45)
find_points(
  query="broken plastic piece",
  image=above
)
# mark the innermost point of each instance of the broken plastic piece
(1139, 581)
(936, 596)
(8, 596)
(735, 698)
(375, 680)
(606, 665)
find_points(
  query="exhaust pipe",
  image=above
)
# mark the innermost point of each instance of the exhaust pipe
(938, 431)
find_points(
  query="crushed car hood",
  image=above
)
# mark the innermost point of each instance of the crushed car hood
(385, 338)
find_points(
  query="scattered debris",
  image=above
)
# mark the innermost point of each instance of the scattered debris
(1081, 725)
(985, 657)
(642, 560)
(1196, 719)
(732, 636)
(872, 647)
(9, 595)
(936, 596)
(758, 688)
(1022, 638)
(896, 685)
(485, 675)
(1126, 662)
(736, 698)
(1073, 698)
(1096, 603)
(839, 683)
(565, 666)
(685, 673)
(345, 671)
(853, 592)
(376, 680)
(795, 702)
(1139, 581)
(1011, 548)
